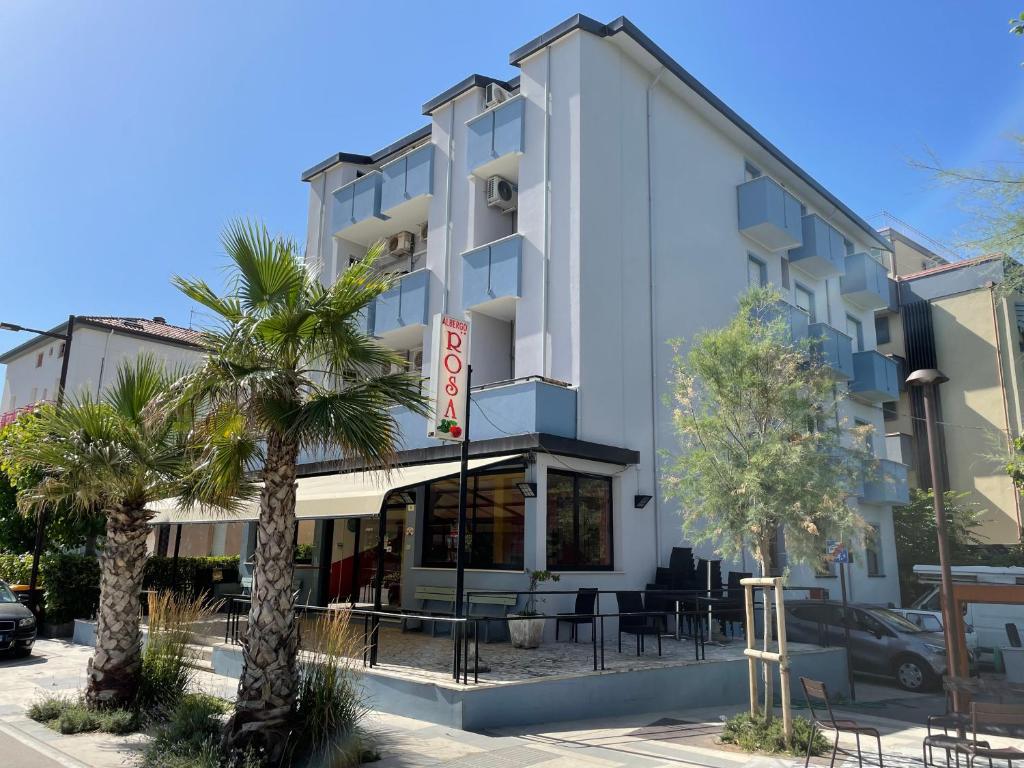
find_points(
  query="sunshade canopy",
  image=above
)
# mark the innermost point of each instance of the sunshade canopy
(353, 494)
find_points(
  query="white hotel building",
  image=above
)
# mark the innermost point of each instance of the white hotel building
(580, 215)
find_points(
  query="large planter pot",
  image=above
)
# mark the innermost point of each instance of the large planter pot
(65, 629)
(525, 633)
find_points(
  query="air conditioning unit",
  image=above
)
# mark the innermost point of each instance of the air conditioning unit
(494, 95)
(424, 231)
(400, 244)
(502, 194)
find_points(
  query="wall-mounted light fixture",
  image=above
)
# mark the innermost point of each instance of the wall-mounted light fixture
(641, 500)
(529, 490)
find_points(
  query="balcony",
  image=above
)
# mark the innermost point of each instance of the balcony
(875, 377)
(491, 277)
(900, 446)
(495, 140)
(769, 215)
(888, 486)
(399, 315)
(357, 203)
(866, 282)
(407, 185)
(832, 349)
(793, 318)
(822, 253)
(518, 407)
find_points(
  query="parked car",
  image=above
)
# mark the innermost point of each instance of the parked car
(17, 624)
(882, 642)
(931, 621)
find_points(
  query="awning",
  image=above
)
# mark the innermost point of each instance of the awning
(353, 494)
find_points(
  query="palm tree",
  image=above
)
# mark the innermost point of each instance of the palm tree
(289, 354)
(115, 455)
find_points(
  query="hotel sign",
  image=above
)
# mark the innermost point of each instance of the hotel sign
(449, 381)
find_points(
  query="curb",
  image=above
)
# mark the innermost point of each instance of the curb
(44, 749)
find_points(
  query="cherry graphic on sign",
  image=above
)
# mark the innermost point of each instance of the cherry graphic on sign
(456, 430)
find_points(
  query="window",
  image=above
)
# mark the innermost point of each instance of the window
(927, 622)
(848, 246)
(49, 351)
(855, 330)
(882, 329)
(889, 412)
(39, 360)
(757, 272)
(579, 522)
(785, 273)
(873, 550)
(804, 299)
(494, 522)
(60, 353)
(750, 171)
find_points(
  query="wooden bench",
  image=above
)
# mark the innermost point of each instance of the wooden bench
(426, 593)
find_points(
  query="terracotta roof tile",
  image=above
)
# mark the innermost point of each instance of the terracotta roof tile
(149, 327)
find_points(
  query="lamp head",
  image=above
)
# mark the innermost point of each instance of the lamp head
(923, 376)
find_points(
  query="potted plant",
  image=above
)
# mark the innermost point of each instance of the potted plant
(529, 632)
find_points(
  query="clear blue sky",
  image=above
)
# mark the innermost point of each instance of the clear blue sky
(131, 132)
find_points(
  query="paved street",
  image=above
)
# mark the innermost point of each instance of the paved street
(650, 740)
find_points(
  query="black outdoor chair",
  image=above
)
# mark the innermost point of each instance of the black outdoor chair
(815, 692)
(1006, 719)
(638, 626)
(1013, 635)
(586, 597)
(734, 612)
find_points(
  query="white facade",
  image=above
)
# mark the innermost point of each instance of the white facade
(32, 371)
(627, 207)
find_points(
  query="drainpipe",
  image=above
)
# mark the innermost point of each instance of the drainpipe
(655, 493)
(448, 208)
(103, 363)
(545, 261)
(1002, 391)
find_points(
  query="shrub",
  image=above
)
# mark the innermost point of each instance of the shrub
(15, 569)
(753, 734)
(329, 702)
(72, 586)
(167, 660)
(67, 716)
(195, 574)
(190, 737)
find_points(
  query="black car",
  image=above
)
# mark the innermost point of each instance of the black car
(17, 624)
(881, 641)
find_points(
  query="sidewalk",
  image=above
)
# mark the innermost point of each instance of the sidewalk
(653, 740)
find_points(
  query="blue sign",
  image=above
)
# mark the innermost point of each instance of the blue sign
(840, 554)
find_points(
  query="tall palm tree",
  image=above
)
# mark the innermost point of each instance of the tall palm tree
(116, 454)
(289, 354)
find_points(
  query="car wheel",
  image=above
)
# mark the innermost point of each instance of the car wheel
(914, 674)
(21, 653)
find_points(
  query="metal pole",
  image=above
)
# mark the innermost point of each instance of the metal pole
(460, 554)
(947, 604)
(378, 579)
(41, 515)
(846, 630)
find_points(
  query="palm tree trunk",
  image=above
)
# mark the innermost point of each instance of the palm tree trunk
(115, 667)
(266, 690)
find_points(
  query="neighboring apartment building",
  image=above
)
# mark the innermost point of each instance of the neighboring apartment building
(580, 215)
(98, 346)
(963, 319)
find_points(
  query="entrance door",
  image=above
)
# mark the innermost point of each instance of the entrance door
(354, 558)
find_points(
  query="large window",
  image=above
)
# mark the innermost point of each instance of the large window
(579, 522)
(804, 299)
(873, 549)
(757, 272)
(494, 522)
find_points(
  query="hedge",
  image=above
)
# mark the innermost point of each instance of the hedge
(72, 581)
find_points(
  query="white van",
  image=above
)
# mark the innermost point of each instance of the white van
(989, 620)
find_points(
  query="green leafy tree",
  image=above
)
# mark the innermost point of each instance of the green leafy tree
(66, 528)
(289, 356)
(762, 440)
(916, 534)
(115, 456)
(762, 443)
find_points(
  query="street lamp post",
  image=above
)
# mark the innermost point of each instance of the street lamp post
(62, 382)
(928, 379)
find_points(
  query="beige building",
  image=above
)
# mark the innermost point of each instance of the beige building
(963, 319)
